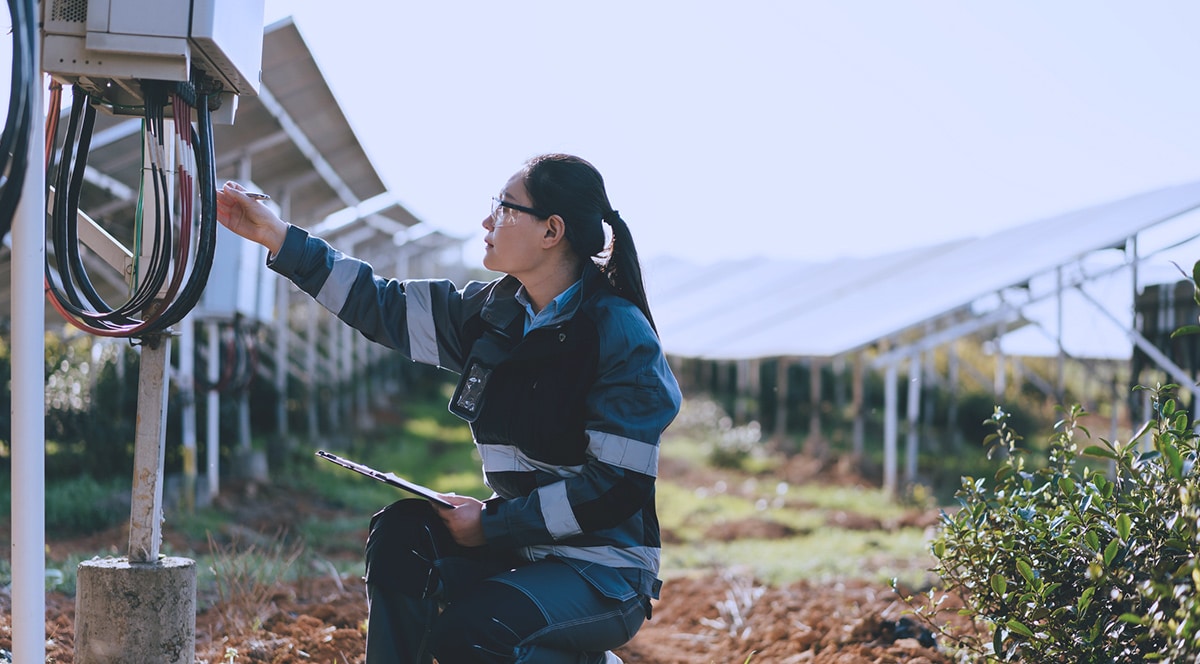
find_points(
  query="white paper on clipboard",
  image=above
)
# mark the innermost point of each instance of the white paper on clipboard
(387, 478)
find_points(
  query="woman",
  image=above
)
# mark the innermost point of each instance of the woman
(567, 391)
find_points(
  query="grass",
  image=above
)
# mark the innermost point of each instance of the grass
(245, 578)
(432, 448)
(819, 551)
(822, 557)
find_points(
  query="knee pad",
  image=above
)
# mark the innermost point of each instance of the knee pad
(405, 539)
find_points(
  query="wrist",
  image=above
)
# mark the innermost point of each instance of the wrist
(275, 236)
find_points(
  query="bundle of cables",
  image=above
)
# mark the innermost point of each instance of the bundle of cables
(14, 142)
(239, 363)
(168, 284)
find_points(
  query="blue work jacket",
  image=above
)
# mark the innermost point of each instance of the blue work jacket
(566, 418)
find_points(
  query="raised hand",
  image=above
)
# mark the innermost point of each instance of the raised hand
(249, 218)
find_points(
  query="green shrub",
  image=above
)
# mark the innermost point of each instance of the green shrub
(82, 505)
(975, 411)
(1073, 562)
(725, 445)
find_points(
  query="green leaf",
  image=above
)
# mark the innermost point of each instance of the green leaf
(1110, 552)
(1132, 618)
(999, 584)
(1181, 421)
(1174, 462)
(1097, 451)
(1026, 571)
(1066, 485)
(1124, 524)
(1092, 539)
(1085, 599)
(1142, 430)
(1185, 330)
(1018, 627)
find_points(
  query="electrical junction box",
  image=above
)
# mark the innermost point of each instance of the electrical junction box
(104, 46)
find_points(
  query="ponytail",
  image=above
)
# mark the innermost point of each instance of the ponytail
(623, 269)
(573, 189)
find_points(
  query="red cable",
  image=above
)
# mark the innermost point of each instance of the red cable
(186, 193)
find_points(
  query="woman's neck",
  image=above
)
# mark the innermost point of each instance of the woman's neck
(543, 288)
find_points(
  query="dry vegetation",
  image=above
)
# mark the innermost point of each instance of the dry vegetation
(718, 614)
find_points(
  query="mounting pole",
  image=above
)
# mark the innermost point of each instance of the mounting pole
(145, 520)
(29, 397)
(144, 603)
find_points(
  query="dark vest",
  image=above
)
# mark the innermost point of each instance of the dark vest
(530, 393)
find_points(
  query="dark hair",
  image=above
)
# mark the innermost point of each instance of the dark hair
(572, 188)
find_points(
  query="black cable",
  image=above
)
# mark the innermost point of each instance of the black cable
(58, 210)
(15, 140)
(239, 362)
(72, 196)
(160, 255)
(206, 172)
(181, 294)
(64, 224)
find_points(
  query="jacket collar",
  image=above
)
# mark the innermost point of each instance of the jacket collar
(503, 312)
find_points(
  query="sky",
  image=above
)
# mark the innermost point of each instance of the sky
(803, 129)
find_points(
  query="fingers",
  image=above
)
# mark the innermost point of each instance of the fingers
(239, 192)
(248, 218)
(456, 500)
(463, 521)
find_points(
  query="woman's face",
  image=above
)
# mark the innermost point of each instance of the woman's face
(514, 245)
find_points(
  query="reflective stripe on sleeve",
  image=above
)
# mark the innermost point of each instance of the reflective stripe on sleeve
(336, 289)
(422, 332)
(556, 510)
(624, 452)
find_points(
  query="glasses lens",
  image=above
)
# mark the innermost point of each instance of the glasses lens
(501, 216)
(497, 212)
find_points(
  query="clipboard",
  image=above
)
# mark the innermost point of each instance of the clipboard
(387, 478)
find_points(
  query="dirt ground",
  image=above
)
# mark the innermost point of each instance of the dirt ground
(715, 618)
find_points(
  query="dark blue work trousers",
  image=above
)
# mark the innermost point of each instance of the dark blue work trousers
(430, 597)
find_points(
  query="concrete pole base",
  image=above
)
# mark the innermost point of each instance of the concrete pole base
(135, 611)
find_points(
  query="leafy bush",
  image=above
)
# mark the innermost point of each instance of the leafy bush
(1072, 562)
(975, 411)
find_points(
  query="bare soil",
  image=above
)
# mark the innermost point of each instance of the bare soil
(715, 617)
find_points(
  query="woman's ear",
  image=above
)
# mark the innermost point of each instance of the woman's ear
(556, 231)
